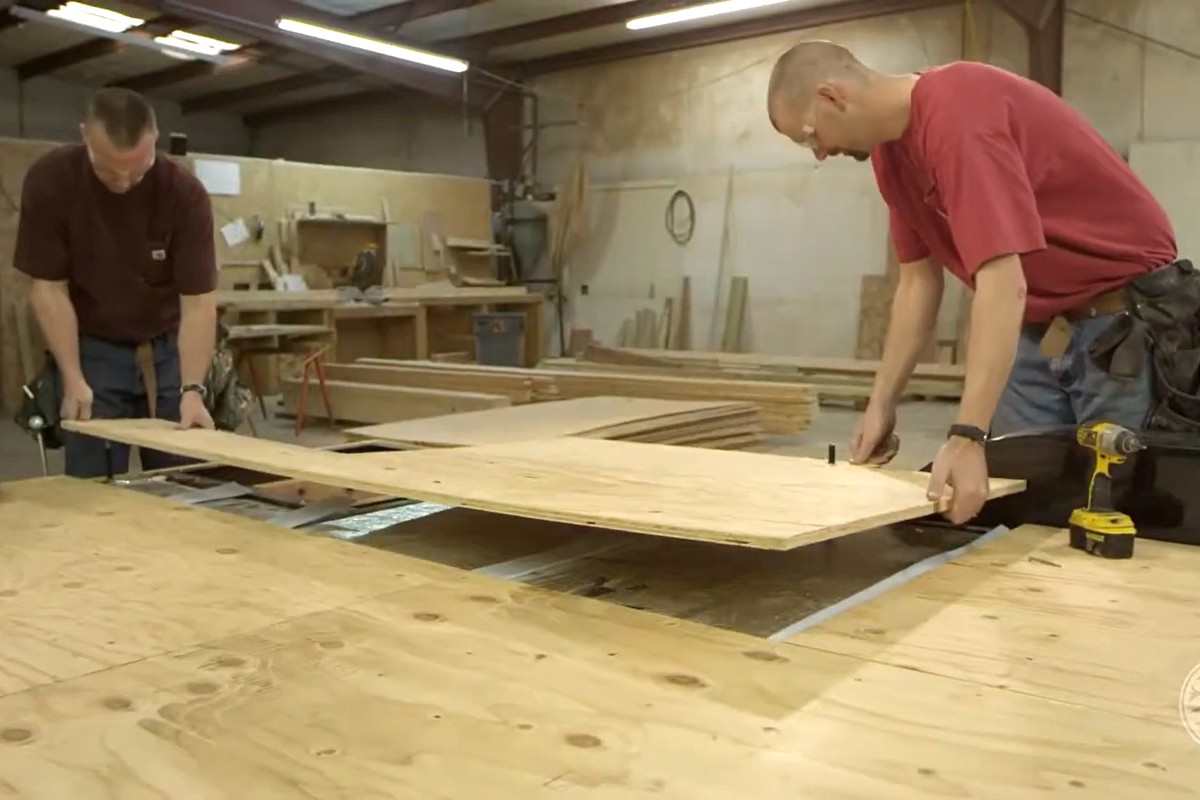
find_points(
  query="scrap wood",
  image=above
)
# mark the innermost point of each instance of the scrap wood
(751, 499)
(365, 402)
(673, 421)
(854, 366)
(785, 408)
(518, 388)
(828, 385)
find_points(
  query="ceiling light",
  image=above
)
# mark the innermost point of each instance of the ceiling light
(93, 17)
(698, 12)
(371, 45)
(94, 21)
(182, 40)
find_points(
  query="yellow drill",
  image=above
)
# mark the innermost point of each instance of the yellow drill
(1099, 528)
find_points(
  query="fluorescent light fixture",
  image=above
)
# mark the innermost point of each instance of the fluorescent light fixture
(698, 12)
(371, 45)
(194, 43)
(94, 17)
(118, 27)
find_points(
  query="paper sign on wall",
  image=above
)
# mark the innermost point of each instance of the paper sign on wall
(219, 177)
(235, 232)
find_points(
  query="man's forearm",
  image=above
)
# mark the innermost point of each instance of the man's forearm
(914, 318)
(996, 316)
(197, 336)
(51, 303)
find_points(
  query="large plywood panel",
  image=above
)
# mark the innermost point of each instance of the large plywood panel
(458, 685)
(751, 499)
(1028, 613)
(154, 576)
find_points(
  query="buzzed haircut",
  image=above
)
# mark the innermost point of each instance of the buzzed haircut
(125, 115)
(804, 67)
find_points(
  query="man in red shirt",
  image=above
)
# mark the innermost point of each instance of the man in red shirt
(1000, 182)
(118, 243)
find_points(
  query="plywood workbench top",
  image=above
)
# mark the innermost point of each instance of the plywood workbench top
(154, 650)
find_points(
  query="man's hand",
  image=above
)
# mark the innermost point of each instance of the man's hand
(192, 413)
(874, 440)
(960, 464)
(77, 400)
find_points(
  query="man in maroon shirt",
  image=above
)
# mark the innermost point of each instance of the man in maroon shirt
(1000, 182)
(118, 242)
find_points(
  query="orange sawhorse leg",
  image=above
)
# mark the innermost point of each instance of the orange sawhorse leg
(314, 362)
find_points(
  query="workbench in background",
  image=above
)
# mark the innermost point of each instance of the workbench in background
(418, 323)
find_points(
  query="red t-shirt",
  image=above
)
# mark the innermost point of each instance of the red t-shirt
(992, 164)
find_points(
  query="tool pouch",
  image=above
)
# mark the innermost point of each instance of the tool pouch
(227, 399)
(1163, 318)
(42, 397)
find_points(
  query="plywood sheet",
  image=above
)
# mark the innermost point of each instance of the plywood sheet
(752, 499)
(153, 576)
(577, 417)
(1029, 614)
(453, 684)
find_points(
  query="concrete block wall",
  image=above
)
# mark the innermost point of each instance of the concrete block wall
(49, 109)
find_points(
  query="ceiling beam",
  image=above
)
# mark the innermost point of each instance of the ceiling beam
(562, 24)
(257, 19)
(293, 83)
(400, 14)
(91, 49)
(189, 70)
(260, 50)
(798, 19)
(1035, 14)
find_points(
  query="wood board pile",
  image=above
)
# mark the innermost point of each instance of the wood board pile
(782, 408)
(750, 499)
(831, 378)
(633, 419)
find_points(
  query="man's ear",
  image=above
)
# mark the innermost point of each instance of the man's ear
(832, 93)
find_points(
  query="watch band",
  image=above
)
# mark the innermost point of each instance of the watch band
(972, 432)
(198, 388)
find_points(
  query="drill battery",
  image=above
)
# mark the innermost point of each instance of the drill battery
(1108, 534)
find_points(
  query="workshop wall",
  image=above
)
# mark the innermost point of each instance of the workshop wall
(1133, 67)
(49, 109)
(806, 233)
(803, 233)
(415, 135)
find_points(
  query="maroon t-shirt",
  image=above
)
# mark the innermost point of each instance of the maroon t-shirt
(993, 164)
(127, 257)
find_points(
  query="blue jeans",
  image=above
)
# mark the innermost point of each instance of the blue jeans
(118, 392)
(1071, 389)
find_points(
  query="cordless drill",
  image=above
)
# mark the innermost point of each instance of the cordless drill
(1099, 528)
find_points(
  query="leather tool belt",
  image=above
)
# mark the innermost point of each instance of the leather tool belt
(1158, 313)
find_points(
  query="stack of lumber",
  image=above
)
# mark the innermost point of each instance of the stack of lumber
(782, 408)
(678, 422)
(831, 378)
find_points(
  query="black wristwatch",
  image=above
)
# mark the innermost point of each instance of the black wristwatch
(198, 388)
(975, 434)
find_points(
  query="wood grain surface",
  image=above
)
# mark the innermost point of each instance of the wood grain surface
(599, 417)
(454, 685)
(751, 499)
(1030, 614)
